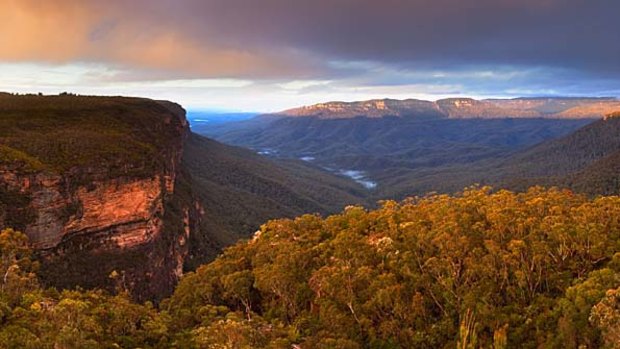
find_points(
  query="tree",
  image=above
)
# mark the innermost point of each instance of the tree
(17, 267)
(606, 316)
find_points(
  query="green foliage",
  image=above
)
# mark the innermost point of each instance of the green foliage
(26, 162)
(31, 317)
(530, 266)
(539, 269)
(240, 190)
(606, 316)
(17, 268)
(110, 135)
(83, 319)
(468, 332)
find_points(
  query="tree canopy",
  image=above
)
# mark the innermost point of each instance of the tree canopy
(482, 269)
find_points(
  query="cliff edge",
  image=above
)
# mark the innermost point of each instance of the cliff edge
(95, 183)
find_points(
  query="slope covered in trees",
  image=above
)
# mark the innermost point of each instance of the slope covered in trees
(123, 136)
(524, 267)
(410, 147)
(477, 270)
(386, 146)
(586, 160)
(239, 190)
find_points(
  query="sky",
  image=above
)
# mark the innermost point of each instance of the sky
(270, 55)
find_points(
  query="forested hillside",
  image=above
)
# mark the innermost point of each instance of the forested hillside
(585, 160)
(476, 270)
(239, 190)
(381, 146)
(412, 147)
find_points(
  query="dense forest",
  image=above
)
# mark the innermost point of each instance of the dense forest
(482, 269)
(585, 161)
(390, 146)
(118, 135)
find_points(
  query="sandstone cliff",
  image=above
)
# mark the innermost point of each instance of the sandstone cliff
(118, 216)
(463, 108)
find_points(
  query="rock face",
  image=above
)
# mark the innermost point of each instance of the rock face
(133, 207)
(93, 229)
(463, 108)
(612, 116)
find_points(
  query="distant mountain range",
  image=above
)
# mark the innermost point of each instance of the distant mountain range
(458, 108)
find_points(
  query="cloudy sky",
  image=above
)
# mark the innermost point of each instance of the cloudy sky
(267, 55)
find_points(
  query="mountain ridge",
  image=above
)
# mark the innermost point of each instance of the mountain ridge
(522, 107)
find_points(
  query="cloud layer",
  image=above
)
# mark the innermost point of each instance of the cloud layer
(534, 43)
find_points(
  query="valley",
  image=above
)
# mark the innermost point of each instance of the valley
(402, 148)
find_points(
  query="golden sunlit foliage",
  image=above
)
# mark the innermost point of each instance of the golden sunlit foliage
(539, 269)
(477, 270)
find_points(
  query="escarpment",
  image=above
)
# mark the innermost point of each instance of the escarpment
(118, 193)
(96, 184)
(131, 207)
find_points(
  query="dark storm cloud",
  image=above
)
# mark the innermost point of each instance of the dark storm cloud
(576, 34)
(302, 39)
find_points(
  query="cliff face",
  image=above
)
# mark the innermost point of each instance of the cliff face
(132, 207)
(463, 108)
(96, 228)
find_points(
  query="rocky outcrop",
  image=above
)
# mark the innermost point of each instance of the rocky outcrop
(375, 108)
(614, 116)
(93, 229)
(133, 207)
